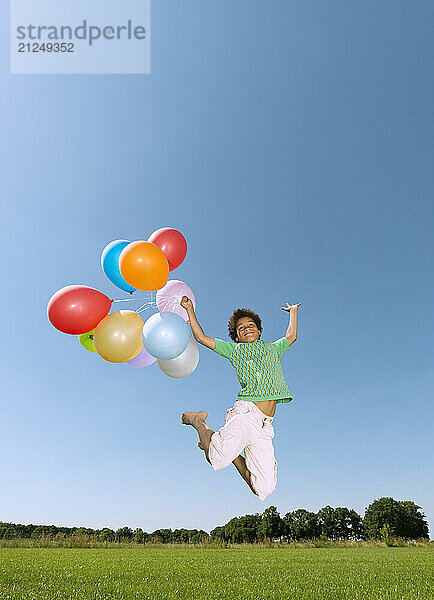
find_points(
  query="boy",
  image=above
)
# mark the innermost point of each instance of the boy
(248, 425)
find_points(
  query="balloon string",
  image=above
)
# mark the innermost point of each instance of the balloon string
(145, 304)
(168, 302)
(131, 299)
(171, 301)
(145, 307)
(144, 297)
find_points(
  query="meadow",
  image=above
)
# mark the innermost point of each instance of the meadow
(195, 573)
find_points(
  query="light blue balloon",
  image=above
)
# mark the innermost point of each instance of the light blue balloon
(166, 335)
(110, 264)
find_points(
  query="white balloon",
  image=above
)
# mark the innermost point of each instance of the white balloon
(181, 365)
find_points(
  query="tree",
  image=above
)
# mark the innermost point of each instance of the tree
(233, 532)
(83, 531)
(198, 536)
(270, 526)
(161, 535)
(38, 531)
(183, 535)
(239, 529)
(218, 533)
(385, 534)
(413, 522)
(124, 534)
(327, 523)
(107, 535)
(139, 535)
(348, 524)
(300, 525)
(249, 527)
(402, 517)
(356, 525)
(9, 533)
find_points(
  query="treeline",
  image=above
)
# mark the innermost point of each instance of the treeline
(384, 518)
(10, 531)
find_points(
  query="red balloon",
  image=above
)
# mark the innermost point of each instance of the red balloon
(77, 309)
(172, 243)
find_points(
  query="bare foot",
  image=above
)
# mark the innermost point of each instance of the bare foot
(188, 418)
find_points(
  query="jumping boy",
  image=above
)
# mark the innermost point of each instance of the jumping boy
(248, 425)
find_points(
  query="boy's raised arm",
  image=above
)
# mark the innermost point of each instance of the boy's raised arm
(196, 329)
(291, 333)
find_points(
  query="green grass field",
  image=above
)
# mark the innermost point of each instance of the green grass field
(237, 572)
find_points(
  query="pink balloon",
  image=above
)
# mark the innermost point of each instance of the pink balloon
(168, 298)
(143, 359)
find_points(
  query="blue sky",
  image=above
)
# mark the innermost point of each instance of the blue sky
(289, 142)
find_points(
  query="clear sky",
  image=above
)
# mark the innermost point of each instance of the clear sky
(289, 142)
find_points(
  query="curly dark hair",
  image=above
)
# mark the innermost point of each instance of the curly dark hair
(238, 314)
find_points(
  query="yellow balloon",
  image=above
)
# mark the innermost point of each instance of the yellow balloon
(118, 337)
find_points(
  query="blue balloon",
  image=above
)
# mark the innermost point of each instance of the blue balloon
(110, 264)
(166, 335)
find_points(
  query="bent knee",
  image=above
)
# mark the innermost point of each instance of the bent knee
(263, 491)
(223, 449)
(218, 458)
(263, 483)
(218, 463)
(263, 486)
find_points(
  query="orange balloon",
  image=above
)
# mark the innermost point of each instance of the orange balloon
(144, 266)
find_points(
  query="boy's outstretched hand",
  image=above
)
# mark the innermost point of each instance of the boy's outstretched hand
(290, 307)
(186, 303)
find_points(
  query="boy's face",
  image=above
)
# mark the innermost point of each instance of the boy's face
(247, 330)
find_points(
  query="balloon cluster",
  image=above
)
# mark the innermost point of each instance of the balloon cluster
(123, 336)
